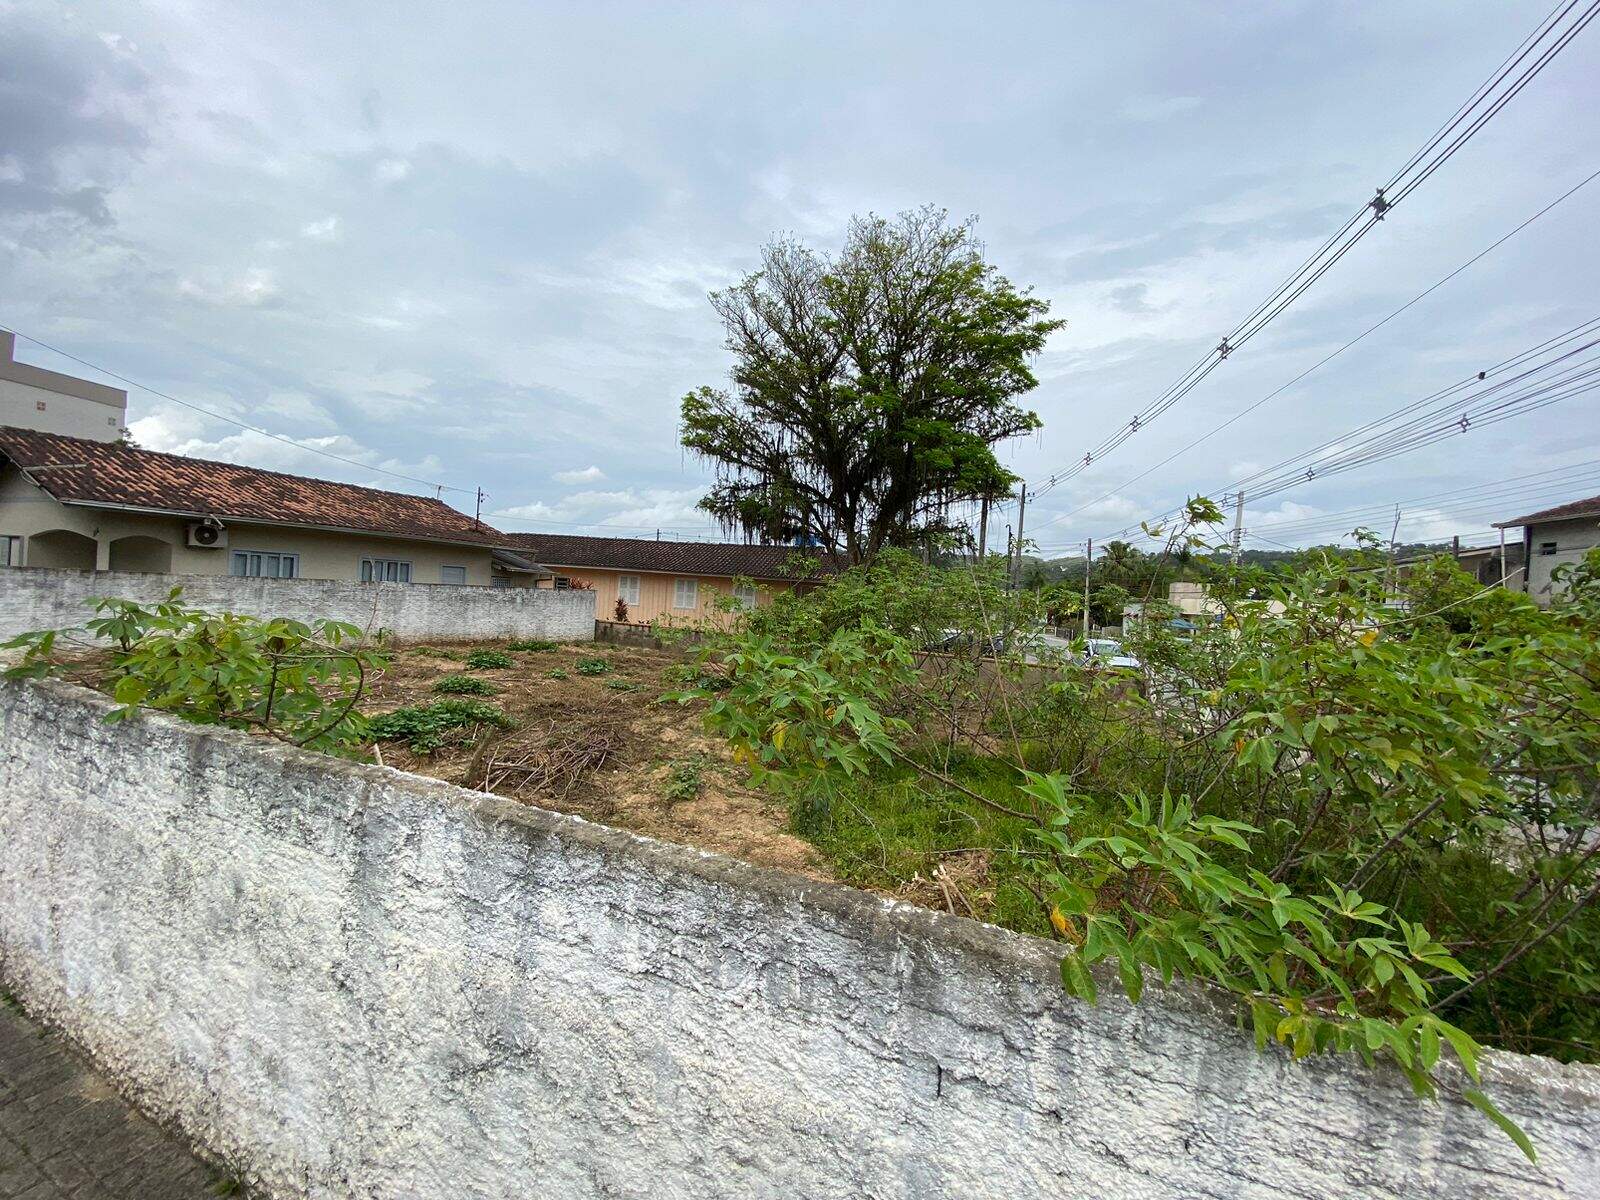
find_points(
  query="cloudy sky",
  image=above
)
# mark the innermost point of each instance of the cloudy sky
(472, 243)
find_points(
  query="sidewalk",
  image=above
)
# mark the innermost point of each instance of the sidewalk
(66, 1135)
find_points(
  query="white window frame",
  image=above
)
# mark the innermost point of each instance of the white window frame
(377, 570)
(685, 587)
(444, 571)
(745, 595)
(628, 590)
(261, 556)
(11, 549)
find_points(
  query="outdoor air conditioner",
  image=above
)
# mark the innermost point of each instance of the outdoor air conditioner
(207, 535)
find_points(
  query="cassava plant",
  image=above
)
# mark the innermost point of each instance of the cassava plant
(295, 682)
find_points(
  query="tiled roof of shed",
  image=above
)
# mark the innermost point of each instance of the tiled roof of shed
(83, 471)
(674, 558)
(1561, 512)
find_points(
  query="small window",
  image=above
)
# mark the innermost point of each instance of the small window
(264, 564)
(10, 551)
(685, 593)
(452, 575)
(385, 570)
(563, 582)
(745, 595)
(1547, 547)
(628, 589)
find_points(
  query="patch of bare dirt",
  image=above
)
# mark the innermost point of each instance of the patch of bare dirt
(601, 746)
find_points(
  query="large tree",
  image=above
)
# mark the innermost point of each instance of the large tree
(869, 387)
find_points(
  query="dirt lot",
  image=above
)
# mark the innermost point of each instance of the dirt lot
(598, 745)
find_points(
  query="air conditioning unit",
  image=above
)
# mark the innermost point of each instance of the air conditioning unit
(207, 535)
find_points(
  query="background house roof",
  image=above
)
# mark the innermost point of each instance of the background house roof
(81, 471)
(677, 558)
(1561, 512)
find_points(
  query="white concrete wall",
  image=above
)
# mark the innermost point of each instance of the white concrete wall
(46, 599)
(352, 982)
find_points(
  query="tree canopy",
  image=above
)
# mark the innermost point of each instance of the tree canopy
(868, 388)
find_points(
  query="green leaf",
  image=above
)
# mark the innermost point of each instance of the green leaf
(1077, 979)
(1461, 1042)
(1486, 1106)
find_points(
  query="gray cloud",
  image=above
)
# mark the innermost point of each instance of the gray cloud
(478, 244)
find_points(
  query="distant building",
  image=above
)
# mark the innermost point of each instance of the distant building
(1483, 563)
(33, 398)
(1553, 537)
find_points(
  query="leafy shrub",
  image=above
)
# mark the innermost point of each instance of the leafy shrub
(622, 685)
(488, 660)
(465, 685)
(425, 728)
(558, 673)
(530, 645)
(685, 779)
(592, 666)
(436, 652)
(1377, 828)
(298, 683)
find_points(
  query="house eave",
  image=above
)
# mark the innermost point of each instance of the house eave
(190, 514)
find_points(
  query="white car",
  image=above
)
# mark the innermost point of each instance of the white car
(1107, 652)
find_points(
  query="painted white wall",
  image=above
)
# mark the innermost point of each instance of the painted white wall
(349, 981)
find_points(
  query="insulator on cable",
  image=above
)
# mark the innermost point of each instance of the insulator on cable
(1464, 423)
(1379, 205)
(1223, 349)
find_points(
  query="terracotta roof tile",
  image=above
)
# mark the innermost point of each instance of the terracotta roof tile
(82, 471)
(1561, 512)
(675, 558)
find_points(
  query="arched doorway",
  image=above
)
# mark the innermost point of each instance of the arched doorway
(138, 552)
(61, 548)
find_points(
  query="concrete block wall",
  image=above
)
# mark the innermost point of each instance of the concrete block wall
(352, 982)
(42, 598)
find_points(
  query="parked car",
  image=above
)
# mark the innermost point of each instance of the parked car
(1108, 653)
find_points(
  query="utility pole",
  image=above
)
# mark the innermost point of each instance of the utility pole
(1238, 526)
(1022, 511)
(1502, 556)
(477, 513)
(1394, 534)
(983, 531)
(1088, 558)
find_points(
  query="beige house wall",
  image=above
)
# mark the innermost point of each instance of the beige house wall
(656, 594)
(74, 536)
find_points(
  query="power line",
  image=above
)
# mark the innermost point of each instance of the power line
(1471, 117)
(277, 437)
(1327, 358)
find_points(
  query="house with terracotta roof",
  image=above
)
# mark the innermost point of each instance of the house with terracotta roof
(677, 582)
(94, 505)
(1552, 537)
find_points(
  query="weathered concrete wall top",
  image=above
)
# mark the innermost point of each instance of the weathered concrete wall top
(43, 598)
(348, 981)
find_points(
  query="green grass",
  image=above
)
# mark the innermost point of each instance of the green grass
(435, 652)
(685, 779)
(558, 673)
(592, 666)
(426, 728)
(888, 829)
(489, 660)
(465, 685)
